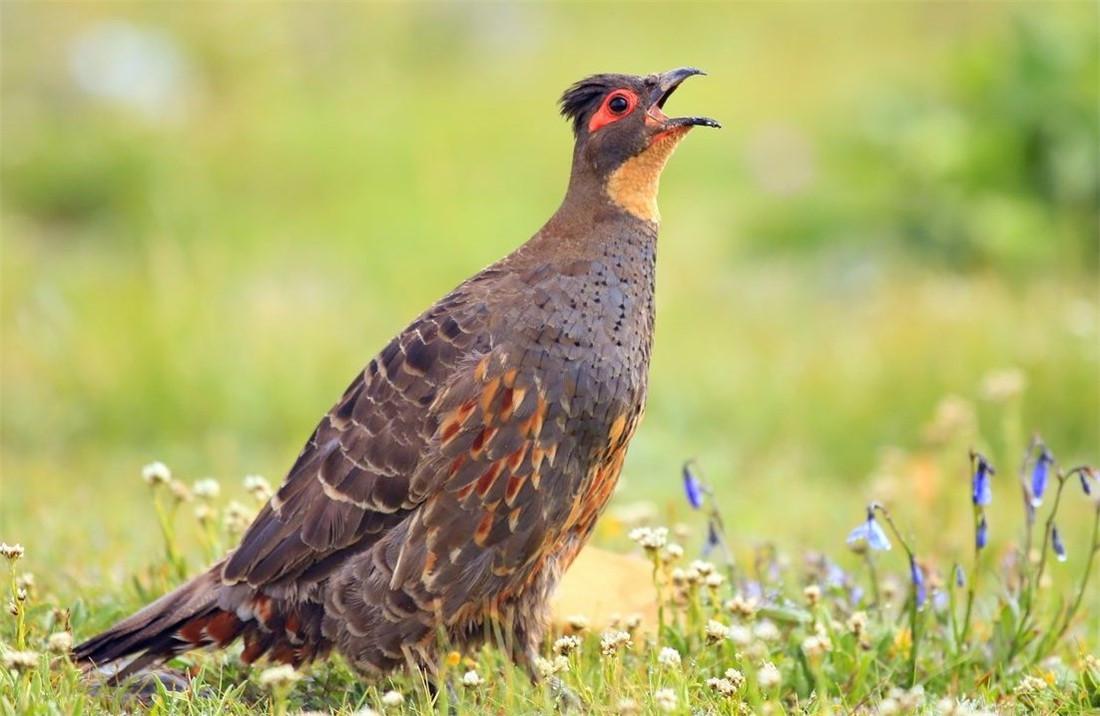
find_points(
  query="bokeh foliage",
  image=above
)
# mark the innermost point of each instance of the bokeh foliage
(199, 254)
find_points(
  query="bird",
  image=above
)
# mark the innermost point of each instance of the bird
(440, 500)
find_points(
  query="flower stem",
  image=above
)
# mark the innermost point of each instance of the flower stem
(914, 623)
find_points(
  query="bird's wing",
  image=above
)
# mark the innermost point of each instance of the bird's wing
(353, 480)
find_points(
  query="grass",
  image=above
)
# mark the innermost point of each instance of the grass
(886, 259)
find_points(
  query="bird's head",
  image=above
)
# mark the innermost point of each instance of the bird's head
(623, 136)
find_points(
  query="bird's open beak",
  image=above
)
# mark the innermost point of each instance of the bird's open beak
(666, 84)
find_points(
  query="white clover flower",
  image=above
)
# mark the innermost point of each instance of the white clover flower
(392, 698)
(258, 487)
(735, 677)
(724, 687)
(766, 630)
(739, 634)
(768, 675)
(632, 621)
(577, 622)
(627, 706)
(11, 552)
(567, 644)
(857, 623)
(669, 658)
(156, 473)
(367, 711)
(204, 513)
(650, 539)
(611, 641)
(912, 699)
(549, 667)
(471, 678)
(702, 567)
(60, 642)
(815, 645)
(678, 576)
(742, 607)
(665, 700)
(673, 552)
(812, 593)
(1030, 685)
(179, 491)
(25, 581)
(20, 660)
(888, 707)
(716, 631)
(714, 580)
(279, 676)
(237, 518)
(206, 489)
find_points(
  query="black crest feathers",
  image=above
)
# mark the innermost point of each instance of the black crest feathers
(585, 95)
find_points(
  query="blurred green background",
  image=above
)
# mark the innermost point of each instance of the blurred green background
(214, 214)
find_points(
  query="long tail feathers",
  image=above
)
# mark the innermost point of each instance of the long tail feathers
(195, 616)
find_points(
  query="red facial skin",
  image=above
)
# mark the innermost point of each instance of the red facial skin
(604, 116)
(654, 117)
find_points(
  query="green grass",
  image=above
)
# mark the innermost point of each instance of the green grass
(901, 206)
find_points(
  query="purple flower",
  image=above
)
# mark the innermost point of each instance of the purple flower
(714, 539)
(960, 577)
(1040, 474)
(940, 600)
(917, 576)
(981, 488)
(981, 534)
(868, 534)
(693, 488)
(1086, 475)
(1056, 543)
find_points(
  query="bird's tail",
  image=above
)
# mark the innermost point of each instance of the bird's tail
(206, 613)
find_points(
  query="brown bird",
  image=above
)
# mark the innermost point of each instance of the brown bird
(463, 469)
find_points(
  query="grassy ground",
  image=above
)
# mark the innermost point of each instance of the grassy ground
(886, 258)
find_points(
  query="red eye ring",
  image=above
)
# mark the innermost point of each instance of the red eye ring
(617, 105)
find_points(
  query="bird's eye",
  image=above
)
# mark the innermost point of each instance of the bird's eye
(618, 104)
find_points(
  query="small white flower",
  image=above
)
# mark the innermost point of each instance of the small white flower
(156, 473)
(744, 608)
(740, 635)
(549, 667)
(60, 642)
(612, 641)
(392, 698)
(735, 677)
(665, 700)
(716, 631)
(702, 567)
(204, 513)
(673, 552)
(815, 645)
(577, 622)
(258, 487)
(237, 518)
(724, 687)
(768, 676)
(566, 644)
(471, 678)
(627, 706)
(766, 630)
(207, 488)
(632, 621)
(678, 576)
(279, 676)
(179, 491)
(714, 580)
(857, 623)
(367, 711)
(812, 594)
(888, 707)
(669, 658)
(20, 660)
(650, 539)
(1030, 685)
(25, 581)
(11, 552)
